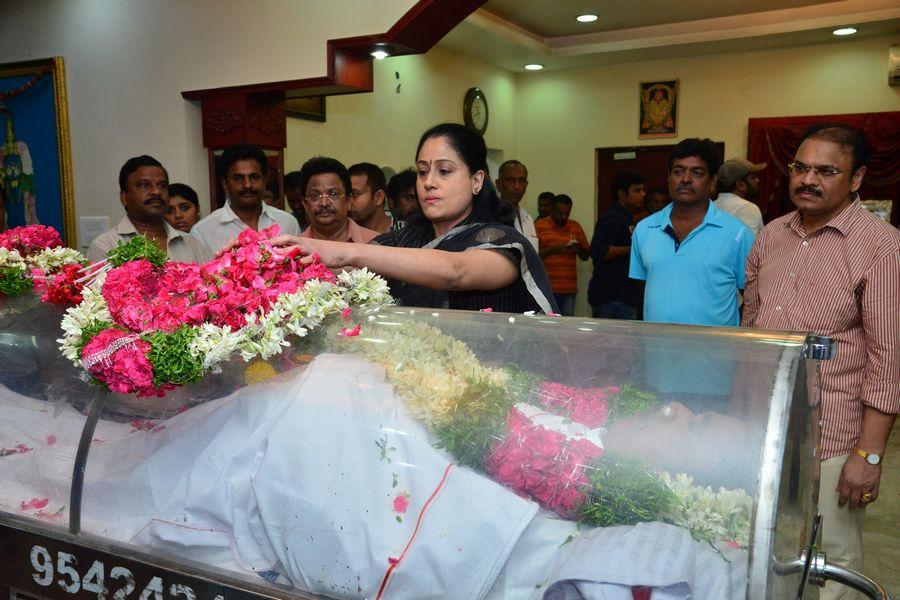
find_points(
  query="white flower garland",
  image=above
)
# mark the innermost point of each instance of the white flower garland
(722, 516)
(11, 259)
(53, 259)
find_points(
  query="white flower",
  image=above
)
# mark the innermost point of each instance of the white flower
(11, 259)
(53, 259)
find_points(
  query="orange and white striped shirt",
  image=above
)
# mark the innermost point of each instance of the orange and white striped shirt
(843, 281)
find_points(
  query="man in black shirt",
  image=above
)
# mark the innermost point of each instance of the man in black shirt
(611, 293)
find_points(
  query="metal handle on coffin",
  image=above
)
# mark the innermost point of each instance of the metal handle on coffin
(819, 347)
(820, 572)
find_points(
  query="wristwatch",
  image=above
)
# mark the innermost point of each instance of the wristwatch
(869, 457)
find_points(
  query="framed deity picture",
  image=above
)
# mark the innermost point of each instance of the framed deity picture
(659, 114)
(35, 157)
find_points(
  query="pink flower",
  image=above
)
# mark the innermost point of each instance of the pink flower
(51, 440)
(401, 502)
(345, 314)
(127, 369)
(350, 332)
(30, 239)
(542, 464)
(488, 309)
(34, 504)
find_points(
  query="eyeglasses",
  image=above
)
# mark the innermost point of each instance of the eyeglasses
(316, 196)
(827, 172)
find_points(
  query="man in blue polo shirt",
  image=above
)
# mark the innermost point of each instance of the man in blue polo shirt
(691, 254)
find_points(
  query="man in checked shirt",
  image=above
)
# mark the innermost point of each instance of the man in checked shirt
(833, 269)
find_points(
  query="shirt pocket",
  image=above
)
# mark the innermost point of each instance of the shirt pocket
(830, 305)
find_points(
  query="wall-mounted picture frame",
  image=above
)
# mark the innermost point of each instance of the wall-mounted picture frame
(35, 154)
(311, 108)
(658, 110)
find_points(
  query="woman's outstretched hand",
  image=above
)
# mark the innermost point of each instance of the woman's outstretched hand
(290, 246)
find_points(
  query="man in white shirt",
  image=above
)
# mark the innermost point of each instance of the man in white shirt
(144, 193)
(512, 181)
(245, 169)
(738, 188)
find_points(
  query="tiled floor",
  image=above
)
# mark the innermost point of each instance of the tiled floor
(881, 528)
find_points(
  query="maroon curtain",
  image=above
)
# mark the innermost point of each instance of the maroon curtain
(774, 141)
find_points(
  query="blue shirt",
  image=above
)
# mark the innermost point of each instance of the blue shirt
(695, 281)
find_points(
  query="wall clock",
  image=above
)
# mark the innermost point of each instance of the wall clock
(475, 110)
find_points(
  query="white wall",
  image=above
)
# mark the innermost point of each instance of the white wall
(564, 115)
(384, 127)
(127, 63)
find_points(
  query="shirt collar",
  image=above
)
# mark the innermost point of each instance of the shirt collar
(842, 222)
(126, 227)
(663, 218)
(228, 215)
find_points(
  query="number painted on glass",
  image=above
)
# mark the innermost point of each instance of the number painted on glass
(154, 589)
(65, 567)
(94, 580)
(122, 573)
(43, 566)
(178, 589)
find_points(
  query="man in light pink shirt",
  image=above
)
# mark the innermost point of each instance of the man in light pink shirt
(325, 183)
(832, 268)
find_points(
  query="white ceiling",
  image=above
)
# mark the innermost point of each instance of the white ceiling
(512, 33)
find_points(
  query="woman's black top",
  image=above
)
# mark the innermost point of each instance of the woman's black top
(530, 292)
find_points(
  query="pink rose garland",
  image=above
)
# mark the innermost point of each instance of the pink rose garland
(542, 464)
(30, 239)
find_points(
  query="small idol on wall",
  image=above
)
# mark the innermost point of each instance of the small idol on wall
(659, 100)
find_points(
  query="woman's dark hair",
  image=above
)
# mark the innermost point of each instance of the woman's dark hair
(182, 190)
(469, 145)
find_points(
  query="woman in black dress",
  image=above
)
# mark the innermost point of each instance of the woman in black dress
(461, 252)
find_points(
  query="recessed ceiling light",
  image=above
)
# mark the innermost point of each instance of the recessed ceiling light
(844, 31)
(586, 18)
(534, 67)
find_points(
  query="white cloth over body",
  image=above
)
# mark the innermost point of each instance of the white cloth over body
(325, 478)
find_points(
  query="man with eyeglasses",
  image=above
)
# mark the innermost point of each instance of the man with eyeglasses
(144, 193)
(244, 170)
(691, 254)
(833, 269)
(326, 183)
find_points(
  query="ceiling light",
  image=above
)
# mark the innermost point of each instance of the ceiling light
(587, 18)
(844, 31)
(534, 67)
(380, 52)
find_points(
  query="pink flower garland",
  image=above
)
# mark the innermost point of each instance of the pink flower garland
(124, 369)
(30, 239)
(583, 405)
(143, 297)
(542, 464)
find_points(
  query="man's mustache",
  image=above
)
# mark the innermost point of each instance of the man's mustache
(325, 211)
(686, 188)
(808, 189)
(153, 199)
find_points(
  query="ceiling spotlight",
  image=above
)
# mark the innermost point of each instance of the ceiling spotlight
(587, 18)
(534, 67)
(844, 31)
(380, 52)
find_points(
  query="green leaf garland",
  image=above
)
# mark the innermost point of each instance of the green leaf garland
(171, 358)
(137, 248)
(625, 491)
(14, 281)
